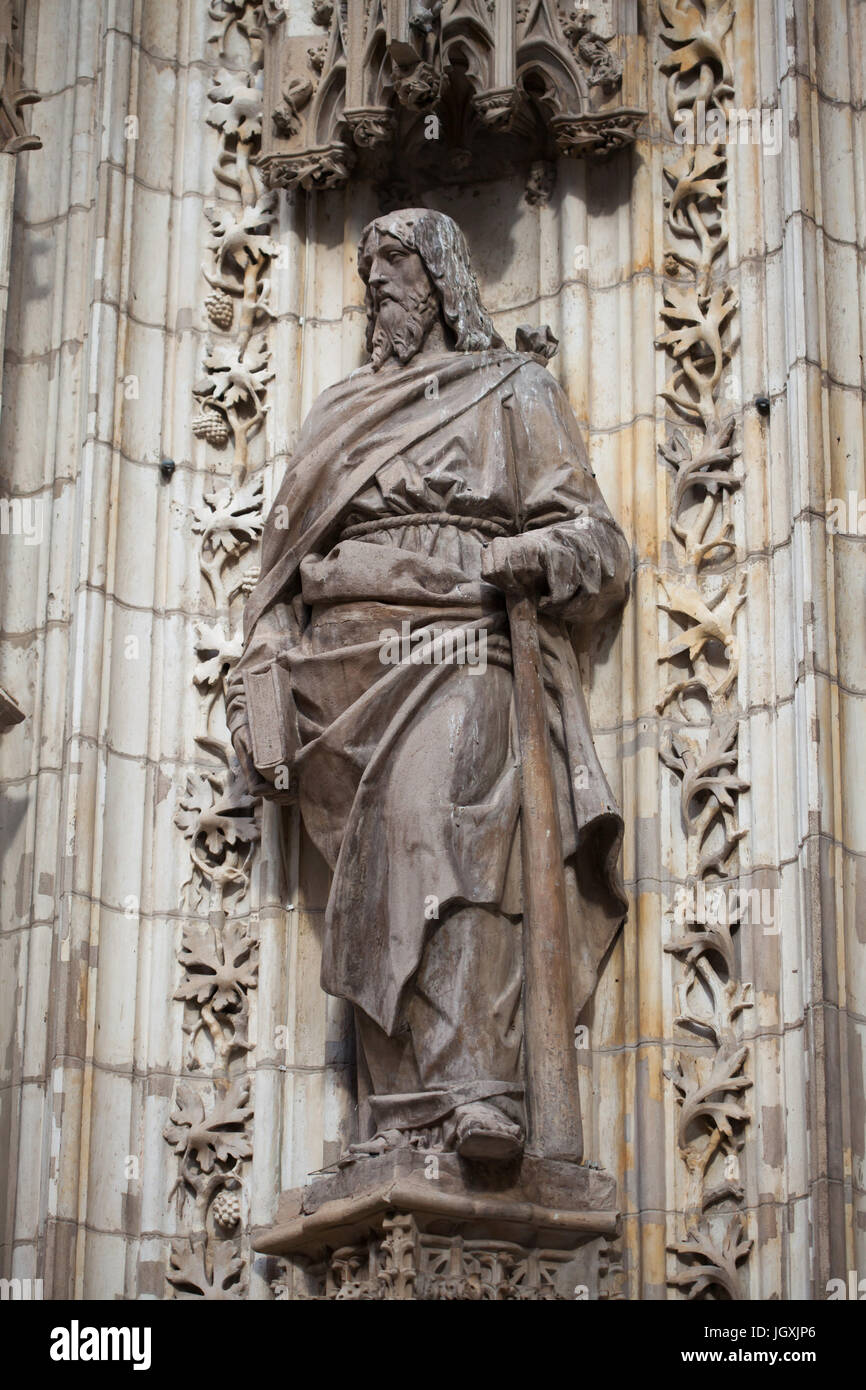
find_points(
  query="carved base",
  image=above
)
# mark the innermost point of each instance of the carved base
(424, 1226)
(326, 167)
(596, 134)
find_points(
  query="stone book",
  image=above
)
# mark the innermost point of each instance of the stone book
(272, 718)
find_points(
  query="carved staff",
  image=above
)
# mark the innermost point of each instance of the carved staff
(551, 1064)
(553, 1100)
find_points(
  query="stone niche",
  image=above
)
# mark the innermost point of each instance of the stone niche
(409, 93)
(427, 1227)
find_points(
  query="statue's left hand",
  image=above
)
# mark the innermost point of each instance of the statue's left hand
(242, 742)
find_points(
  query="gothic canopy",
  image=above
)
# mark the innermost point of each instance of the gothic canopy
(448, 90)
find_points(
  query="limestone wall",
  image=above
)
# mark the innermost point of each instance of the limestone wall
(117, 627)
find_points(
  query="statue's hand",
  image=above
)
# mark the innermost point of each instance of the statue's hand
(515, 564)
(242, 741)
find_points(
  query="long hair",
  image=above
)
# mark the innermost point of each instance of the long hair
(442, 247)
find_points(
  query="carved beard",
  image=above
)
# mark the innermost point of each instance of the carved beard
(400, 330)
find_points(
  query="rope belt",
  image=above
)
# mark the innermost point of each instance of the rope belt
(397, 523)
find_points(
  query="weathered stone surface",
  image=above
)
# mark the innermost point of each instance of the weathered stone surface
(415, 1225)
(442, 492)
(110, 324)
(557, 1204)
(461, 92)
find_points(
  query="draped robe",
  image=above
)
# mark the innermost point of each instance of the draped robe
(408, 772)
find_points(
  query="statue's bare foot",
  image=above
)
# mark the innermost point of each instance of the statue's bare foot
(485, 1134)
(380, 1144)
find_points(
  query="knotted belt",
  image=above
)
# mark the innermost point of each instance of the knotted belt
(397, 523)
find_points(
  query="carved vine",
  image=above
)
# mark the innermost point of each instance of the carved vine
(702, 601)
(209, 1127)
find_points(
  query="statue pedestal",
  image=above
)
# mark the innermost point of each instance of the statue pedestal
(424, 1226)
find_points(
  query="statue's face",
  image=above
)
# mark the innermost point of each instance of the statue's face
(404, 302)
(398, 274)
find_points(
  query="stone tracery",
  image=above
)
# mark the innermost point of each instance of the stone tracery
(392, 72)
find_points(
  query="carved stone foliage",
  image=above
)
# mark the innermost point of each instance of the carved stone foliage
(210, 1141)
(14, 96)
(209, 1126)
(403, 1261)
(702, 596)
(220, 968)
(209, 1135)
(195, 1276)
(459, 89)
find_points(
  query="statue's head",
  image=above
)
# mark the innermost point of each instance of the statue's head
(415, 264)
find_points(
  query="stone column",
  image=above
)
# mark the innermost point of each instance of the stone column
(14, 138)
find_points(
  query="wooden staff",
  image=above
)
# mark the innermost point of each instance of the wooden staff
(553, 1108)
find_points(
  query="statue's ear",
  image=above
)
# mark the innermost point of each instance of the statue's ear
(541, 342)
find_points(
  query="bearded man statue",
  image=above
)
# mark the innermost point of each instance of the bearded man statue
(428, 485)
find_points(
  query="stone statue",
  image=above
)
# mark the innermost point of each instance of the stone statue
(429, 490)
